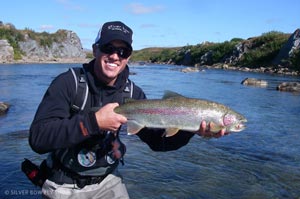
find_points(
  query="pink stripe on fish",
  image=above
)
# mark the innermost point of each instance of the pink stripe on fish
(154, 111)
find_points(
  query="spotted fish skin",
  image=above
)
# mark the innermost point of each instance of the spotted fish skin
(175, 112)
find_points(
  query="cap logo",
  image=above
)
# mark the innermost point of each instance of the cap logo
(118, 28)
(114, 30)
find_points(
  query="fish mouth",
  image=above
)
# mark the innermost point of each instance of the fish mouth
(239, 126)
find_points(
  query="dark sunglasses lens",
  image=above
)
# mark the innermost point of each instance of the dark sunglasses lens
(108, 49)
(121, 51)
(126, 52)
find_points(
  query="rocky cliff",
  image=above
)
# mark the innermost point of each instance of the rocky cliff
(7, 52)
(62, 46)
(273, 50)
(289, 49)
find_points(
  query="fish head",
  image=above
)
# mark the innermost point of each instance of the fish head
(234, 122)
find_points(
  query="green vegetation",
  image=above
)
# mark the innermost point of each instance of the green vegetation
(261, 51)
(46, 39)
(264, 49)
(295, 61)
(13, 36)
(216, 51)
(176, 55)
(154, 54)
(89, 55)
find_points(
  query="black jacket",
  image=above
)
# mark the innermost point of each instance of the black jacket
(54, 127)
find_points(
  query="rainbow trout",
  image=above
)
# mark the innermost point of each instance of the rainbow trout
(175, 112)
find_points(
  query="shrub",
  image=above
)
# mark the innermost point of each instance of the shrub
(295, 61)
(264, 49)
(13, 36)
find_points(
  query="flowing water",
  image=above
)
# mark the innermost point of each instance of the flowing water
(263, 161)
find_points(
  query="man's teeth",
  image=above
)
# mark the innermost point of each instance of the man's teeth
(112, 65)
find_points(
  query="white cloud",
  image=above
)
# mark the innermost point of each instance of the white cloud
(148, 26)
(70, 5)
(273, 21)
(138, 8)
(88, 25)
(46, 27)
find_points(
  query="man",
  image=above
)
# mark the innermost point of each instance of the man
(84, 146)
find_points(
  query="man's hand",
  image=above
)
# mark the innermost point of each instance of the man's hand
(107, 119)
(205, 132)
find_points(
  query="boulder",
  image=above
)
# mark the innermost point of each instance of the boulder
(189, 69)
(187, 59)
(239, 50)
(254, 82)
(3, 107)
(289, 86)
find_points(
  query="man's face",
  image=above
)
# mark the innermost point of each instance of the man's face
(110, 60)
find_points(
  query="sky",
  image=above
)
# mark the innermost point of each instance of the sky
(157, 23)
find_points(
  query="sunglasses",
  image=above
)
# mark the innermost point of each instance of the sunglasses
(122, 52)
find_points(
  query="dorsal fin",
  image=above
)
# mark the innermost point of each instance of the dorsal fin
(170, 94)
(127, 100)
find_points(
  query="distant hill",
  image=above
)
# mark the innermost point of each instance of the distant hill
(29, 46)
(272, 49)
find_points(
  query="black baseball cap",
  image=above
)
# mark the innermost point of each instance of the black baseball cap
(115, 30)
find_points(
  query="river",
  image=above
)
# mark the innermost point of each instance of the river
(263, 161)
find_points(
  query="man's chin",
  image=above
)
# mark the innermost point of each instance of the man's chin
(109, 76)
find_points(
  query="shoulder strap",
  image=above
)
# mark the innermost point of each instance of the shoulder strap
(128, 90)
(82, 90)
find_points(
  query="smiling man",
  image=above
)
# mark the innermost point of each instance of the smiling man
(83, 144)
(114, 44)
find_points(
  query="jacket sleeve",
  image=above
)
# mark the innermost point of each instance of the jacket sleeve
(53, 126)
(157, 142)
(154, 137)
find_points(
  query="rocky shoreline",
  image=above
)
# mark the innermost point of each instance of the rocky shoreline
(48, 61)
(271, 69)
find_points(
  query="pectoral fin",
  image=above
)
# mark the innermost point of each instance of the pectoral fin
(133, 127)
(170, 132)
(215, 128)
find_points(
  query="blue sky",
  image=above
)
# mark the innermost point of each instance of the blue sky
(164, 23)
